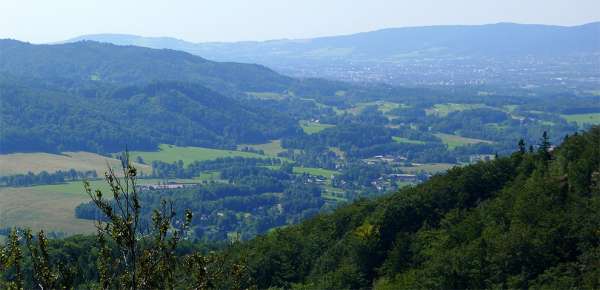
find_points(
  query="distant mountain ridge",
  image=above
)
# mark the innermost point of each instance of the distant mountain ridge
(491, 40)
(500, 55)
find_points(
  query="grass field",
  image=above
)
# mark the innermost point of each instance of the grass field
(266, 95)
(582, 119)
(21, 163)
(272, 148)
(171, 153)
(454, 141)
(315, 171)
(383, 106)
(406, 140)
(594, 92)
(442, 110)
(208, 176)
(44, 208)
(432, 168)
(52, 207)
(313, 127)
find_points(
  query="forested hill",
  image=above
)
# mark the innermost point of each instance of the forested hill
(38, 117)
(98, 97)
(101, 62)
(530, 220)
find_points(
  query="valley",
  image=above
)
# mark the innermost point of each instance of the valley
(392, 159)
(333, 177)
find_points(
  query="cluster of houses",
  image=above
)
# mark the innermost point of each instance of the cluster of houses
(390, 159)
(387, 181)
(166, 185)
(481, 157)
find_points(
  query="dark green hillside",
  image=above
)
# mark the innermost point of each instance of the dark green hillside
(41, 118)
(97, 97)
(107, 63)
(528, 220)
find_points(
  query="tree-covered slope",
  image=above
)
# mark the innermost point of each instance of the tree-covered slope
(101, 62)
(528, 220)
(98, 97)
(100, 118)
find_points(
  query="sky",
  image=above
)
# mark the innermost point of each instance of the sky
(42, 21)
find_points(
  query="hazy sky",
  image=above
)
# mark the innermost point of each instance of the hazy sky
(230, 20)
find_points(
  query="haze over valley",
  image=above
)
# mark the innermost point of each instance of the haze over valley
(498, 55)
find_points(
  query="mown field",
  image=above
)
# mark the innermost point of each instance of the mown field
(172, 153)
(432, 168)
(21, 163)
(52, 207)
(314, 127)
(266, 95)
(454, 141)
(406, 140)
(442, 110)
(315, 171)
(382, 106)
(44, 207)
(272, 148)
(582, 119)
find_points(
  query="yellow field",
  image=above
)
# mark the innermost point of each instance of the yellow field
(21, 163)
(40, 208)
(52, 207)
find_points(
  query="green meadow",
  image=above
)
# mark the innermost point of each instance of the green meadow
(315, 171)
(172, 153)
(443, 110)
(582, 119)
(383, 106)
(266, 95)
(454, 141)
(406, 140)
(272, 148)
(432, 168)
(314, 127)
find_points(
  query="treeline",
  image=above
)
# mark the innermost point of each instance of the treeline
(177, 169)
(202, 117)
(30, 179)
